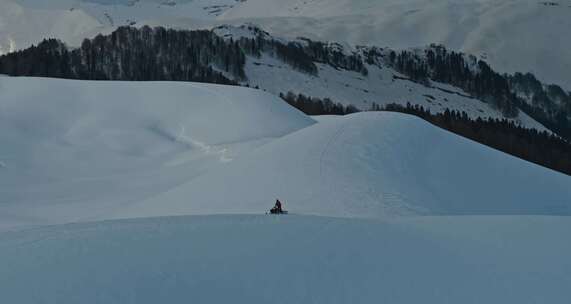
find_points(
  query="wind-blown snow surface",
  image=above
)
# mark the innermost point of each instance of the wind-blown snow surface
(76, 151)
(293, 259)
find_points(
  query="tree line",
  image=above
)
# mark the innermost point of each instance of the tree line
(303, 54)
(147, 53)
(548, 104)
(473, 76)
(316, 106)
(134, 54)
(541, 148)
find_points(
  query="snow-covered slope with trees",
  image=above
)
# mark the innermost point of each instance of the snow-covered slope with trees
(383, 85)
(514, 36)
(363, 77)
(26, 22)
(525, 36)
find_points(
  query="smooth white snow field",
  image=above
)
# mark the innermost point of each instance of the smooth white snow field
(255, 259)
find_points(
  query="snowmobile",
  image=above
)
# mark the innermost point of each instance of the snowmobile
(275, 210)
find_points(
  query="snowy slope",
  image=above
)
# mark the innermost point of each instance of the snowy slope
(379, 87)
(26, 22)
(23, 22)
(75, 150)
(21, 26)
(370, 165)
(87, 151)
(126, 149)
(293, 259)
(524, 36)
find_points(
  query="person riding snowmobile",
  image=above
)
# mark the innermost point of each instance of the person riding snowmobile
(277, 209)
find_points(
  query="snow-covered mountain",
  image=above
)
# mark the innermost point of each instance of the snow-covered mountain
(76, 154)
(363, 77)
(26, 22)
(382, 84)
(30, 21)
(524, 36)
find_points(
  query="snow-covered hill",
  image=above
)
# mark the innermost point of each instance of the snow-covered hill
(75, 154)
(83, 150)
(370, 165)
(74, 150)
